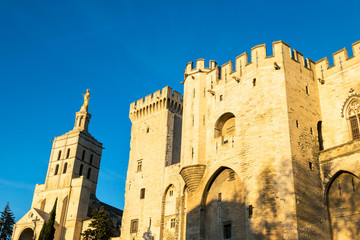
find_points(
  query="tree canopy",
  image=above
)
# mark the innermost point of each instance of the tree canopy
(100, 226)
(7, 220)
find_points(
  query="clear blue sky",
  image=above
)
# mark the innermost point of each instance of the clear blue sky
(51, 51)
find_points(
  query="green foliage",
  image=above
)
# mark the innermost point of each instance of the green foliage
(48, 230)
(7, 220)
(100, 226)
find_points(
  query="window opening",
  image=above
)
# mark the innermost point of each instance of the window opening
(83, 155)
(254, 82)
(56, 169)
(227, 230)
(147, 130)
(320, 138)
(310, 166)
(91, 158)
(88, 173)
(311, 131)
(353, 184)
(297, 123)
(139, 166)
(68, 153)
(221, 98)
(251, 210)
(219, 197)
(171, 193)
(81, 170)
(134, 225)
(231, 175)
(307, 90)
(142, 193)
(59, 155)
(354, 127)
(65, 168)
(172, 223)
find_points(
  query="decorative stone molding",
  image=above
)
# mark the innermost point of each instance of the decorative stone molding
(192, 175)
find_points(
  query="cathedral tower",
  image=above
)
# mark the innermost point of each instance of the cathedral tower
(71, 179)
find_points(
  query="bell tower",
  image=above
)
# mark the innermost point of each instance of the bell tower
(75, 154)
(71, 179)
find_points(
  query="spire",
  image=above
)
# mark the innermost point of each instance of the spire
(82, 118)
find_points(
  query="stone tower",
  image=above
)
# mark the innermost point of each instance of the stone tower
(269, 150)
(154, 161)
(71, 179)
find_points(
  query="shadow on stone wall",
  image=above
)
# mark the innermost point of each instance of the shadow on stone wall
(148, 235)
(273, 213)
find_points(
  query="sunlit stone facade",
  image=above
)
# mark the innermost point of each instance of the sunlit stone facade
(265, 147)
(71, 179)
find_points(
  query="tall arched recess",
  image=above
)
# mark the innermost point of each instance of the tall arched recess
(223, 208)
(343, 199)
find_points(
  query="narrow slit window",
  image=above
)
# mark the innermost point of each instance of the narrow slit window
(307, 90)
(88, 173)
(219, 197)
(142, 193)
(81, 170)
(254, 82)
(297, 123)
(56, 169)
(68, 153)
(83, 155)
(91, 159)
(59, 155)
(65, 168)
(310, 166)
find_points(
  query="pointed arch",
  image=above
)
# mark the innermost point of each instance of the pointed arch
(343, 203)
(169, 213)
(223, 212)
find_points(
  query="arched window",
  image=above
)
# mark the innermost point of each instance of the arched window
(88, 173)
(91, 158)
(351, 110)
(81, 170)
(80, 121)
(225, 127)
(59, 155)
(65, 168)
(56, 169)
(83, 155)
(68, 153)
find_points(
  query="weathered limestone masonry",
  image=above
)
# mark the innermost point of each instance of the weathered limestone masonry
(71, 179)
(269, 150)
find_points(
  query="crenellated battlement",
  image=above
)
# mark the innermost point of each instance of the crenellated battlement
(245, 64)
(165, 98)
(341, 62)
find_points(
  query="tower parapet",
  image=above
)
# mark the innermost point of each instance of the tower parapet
(245, 65)
(165, 98)
(341, 62)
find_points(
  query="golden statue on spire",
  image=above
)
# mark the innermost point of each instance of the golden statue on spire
(85, 106)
